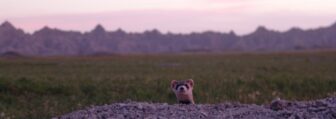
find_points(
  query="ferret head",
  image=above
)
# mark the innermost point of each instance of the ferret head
(182, 87)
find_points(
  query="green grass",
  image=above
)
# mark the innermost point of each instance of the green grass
(46, 87)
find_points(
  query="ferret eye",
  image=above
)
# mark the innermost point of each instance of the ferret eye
(177, 86)
(187, 86)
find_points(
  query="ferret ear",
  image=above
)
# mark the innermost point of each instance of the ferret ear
(173, 83)
(191, 82)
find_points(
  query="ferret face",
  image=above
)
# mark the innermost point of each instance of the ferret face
(182, 87)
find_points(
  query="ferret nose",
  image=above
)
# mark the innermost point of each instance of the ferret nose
(181, 89)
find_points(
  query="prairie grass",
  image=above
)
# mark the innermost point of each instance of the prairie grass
(34, 88)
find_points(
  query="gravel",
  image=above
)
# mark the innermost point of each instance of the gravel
(278, 109)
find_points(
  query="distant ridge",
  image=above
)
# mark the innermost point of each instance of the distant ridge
(49, 41)
(11, 55)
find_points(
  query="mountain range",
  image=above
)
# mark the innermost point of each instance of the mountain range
(51, 42)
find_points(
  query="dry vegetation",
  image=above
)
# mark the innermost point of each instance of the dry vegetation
(46, 87)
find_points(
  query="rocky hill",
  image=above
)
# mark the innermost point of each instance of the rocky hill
(48, 41)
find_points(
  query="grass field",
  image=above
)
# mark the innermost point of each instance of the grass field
(46, 87)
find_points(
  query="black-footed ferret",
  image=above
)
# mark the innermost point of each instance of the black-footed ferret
(183, 91)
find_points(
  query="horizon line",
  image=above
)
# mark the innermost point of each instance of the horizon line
(169, 32)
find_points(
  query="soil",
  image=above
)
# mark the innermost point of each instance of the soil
(278, 109)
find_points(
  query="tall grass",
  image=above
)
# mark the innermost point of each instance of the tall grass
(46, 87)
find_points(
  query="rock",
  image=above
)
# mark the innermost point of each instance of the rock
(278, 104)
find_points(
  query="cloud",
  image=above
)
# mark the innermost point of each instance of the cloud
(176, 21)
(242, 16)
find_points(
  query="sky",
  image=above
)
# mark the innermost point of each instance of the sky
(177, 16)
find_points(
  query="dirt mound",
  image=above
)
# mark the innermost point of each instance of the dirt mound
(279, 109)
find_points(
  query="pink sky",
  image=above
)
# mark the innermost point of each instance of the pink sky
(242, 16)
